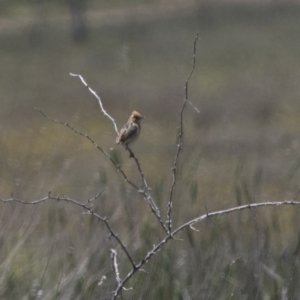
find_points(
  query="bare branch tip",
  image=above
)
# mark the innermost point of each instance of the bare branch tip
(207, 214)
(143, 270)
(193, 228)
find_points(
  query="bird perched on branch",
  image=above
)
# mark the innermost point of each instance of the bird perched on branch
(130, 131)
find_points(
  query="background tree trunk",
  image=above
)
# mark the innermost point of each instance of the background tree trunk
(78, 21)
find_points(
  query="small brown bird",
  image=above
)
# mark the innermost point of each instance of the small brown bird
(130, 131)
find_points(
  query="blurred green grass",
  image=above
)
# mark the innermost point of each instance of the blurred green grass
(243, 147)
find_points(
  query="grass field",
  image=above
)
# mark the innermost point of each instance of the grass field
(242, 148)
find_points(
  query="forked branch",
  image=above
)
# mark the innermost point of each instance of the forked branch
(87, 206)
(180, 137)
(156, 248)
(99, 101)
(146, 191)
(189, 224)
(117, 166)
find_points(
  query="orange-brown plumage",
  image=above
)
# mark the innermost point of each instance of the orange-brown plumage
(131, 130)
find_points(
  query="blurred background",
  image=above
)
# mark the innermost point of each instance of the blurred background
(242, 147)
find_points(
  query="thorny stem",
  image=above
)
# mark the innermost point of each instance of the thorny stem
(180, 137)
(117, 166)
(87, 207)
(146, 193)
(99, 101)
(158, 247)
(113, 253)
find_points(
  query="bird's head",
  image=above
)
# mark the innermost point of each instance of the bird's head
(136, 116)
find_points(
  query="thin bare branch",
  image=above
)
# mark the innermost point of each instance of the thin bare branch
(82, 205)
(189, 224)
(158, 247)
(117, 166)
(194, 107)
(180, 137)
(113, 255)
(147, 194)
(146, 191)
(116, 269)
(94, 198)
(233, 209)
(99, 101)
(193, 228)
(297, 194)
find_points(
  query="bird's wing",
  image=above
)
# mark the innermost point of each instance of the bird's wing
(127, 132)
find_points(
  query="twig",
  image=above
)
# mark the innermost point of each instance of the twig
(94, 198)
(297, 194)
(234, 209)
(85, 206)
(189, 224)
(93, 142)
(99, 101)
(146, 193)
(113, 256)
(158, 247)
(180, 137)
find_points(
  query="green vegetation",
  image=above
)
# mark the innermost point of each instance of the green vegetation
(243, 147)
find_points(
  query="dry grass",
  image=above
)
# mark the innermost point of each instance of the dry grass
(243, 147)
